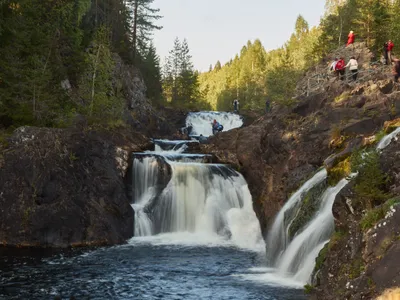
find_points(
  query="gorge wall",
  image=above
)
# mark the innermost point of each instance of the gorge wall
(282, 149)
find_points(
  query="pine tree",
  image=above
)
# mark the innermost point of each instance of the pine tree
(142, 23)
(217, 66)
(152, 74)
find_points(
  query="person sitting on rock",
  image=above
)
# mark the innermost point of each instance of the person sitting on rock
(340, 68)
(216, 127)
(396, 69)
(353, 66)
(351, 38)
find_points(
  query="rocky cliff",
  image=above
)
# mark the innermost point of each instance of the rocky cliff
(64, 187)
(282, 149)
(71, 187)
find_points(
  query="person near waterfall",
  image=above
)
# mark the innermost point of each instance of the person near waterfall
(216, 127)
(236, 106)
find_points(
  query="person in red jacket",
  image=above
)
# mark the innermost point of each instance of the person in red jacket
(390, 47)
(340, 68)
(351, 38)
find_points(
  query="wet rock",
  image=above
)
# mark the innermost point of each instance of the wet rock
(62, 188)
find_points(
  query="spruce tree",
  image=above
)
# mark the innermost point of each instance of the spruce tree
(143, 18)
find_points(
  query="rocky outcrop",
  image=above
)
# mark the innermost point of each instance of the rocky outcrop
(280, 150)
(361, 260)
(61, 188)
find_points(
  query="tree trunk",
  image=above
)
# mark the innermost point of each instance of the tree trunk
(134, 37)
(94, 79)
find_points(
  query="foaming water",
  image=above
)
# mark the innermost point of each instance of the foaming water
(206, 199)
(201, 121)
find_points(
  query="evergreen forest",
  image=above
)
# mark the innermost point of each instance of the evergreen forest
(58, 58)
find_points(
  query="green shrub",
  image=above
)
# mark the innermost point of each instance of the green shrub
(370, 184)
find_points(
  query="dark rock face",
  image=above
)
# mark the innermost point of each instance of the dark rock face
(361, 264)
(61, 188)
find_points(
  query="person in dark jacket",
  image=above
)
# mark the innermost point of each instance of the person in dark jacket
(267, 106)
(236, 106)
(385, 53)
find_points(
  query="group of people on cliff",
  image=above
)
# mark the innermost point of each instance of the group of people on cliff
(338, 66)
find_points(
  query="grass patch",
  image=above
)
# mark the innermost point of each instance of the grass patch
(376, 214)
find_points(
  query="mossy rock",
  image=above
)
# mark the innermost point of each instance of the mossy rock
(339, 171)
(309, 206)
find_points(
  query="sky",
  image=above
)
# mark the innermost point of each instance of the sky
(218, 29)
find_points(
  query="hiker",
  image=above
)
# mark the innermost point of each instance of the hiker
(390, 49)
(385, 53)
(333, 65)
(236, 106)
(267, 105)
(396, 69)
(202, 139)
(353, 66)
(351, 38)
(340, 68)
(216, 127)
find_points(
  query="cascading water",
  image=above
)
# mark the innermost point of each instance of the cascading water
(278, 237)
(201, 122)
(296, 257)
(299, 257)
(190, 195)
(387, 139)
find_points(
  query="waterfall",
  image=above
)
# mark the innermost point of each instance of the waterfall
(387, 139)
(201, 122)
(177, 192)
(278, 236)
(295, 257)
(299, 257)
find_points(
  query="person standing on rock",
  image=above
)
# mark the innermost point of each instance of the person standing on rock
(353, 66)
(385, 53)
(267, 105)
(340, 68)
(351, 38)
(396, 69)
(236, 106)
(390, 49)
